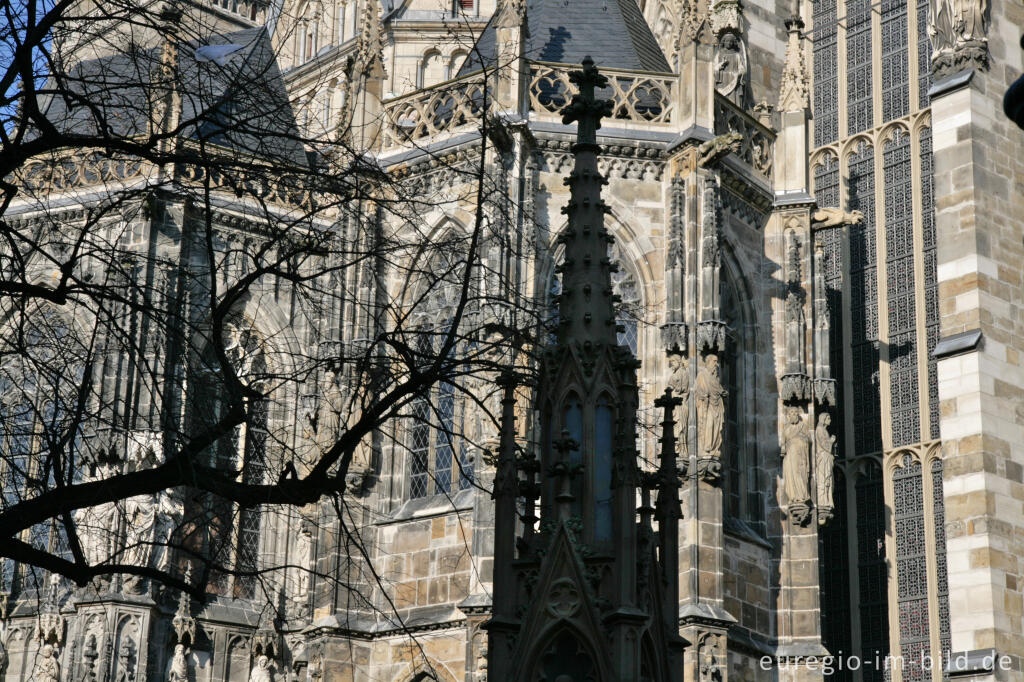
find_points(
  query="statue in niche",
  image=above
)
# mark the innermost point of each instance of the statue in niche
(95, 524)
(328, 421)
(794, 334)
(825, 445)
(731, 67)
(708, 659)
(303, 563)
(261, 672)
(177, 670)
(150, 520)
(710, 397)
(124, 663)
(796, 464)
(679, 382)
(47, 668)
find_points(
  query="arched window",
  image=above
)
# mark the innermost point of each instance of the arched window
(454, 64)
(439, 462)
(432, 69)
(42, 363)
(740, 501)
(226, 537)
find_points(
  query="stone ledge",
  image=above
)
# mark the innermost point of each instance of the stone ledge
(957, 344)
(950, 83)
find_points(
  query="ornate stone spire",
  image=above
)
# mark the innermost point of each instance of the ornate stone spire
(793, 91)
(586, 309)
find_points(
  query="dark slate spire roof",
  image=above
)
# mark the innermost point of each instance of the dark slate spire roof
(613, 32)
(238, 101)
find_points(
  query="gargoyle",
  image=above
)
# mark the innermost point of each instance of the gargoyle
(715, 149)
(834, 217)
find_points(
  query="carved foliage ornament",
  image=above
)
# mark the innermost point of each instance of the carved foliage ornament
(793, 91)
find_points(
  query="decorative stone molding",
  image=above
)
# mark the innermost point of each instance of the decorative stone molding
(711, 336)
(756, 139)
(793, 90)
(795, 387)
(726, 15)
(825, 390)
(674, 336)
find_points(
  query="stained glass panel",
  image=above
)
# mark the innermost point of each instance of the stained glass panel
(911, 567)
(931, 291)
(864, 303)
(900, 278)
(826, 81)
(895, 71)
(859, 114)
(872, 572)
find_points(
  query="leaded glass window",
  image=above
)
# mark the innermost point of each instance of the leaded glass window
(826, 79)
(911, 566)
(834, 579)
(931, 288)
(899, 248)
(864, 303)
(226, 537)
(941, 569)
(41, 372)
(924, 55)
(895, 70)
(439, 461)
(859, 114)
(872, 571)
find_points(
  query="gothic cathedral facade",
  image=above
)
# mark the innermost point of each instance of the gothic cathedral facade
(812, 223)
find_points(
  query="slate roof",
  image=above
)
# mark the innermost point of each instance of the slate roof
(612, 32)
(239, 103)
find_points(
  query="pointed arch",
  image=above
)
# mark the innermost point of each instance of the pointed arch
(563, 650)
(742, 496)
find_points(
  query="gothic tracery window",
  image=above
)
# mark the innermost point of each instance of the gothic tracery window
(440, 462)
(215, 530)
(41, 370)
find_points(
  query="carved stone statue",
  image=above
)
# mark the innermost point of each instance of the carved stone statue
(140, 527)
(708, 659)
(794, 334)
(710, 415)
(328, 423)
(303, 563)
(124, 663)
(825, 457)
(47, 668)
(679, 382)
(95, 525)
(959, 34)
(796, 464)
(261, 672)
(177, 669)
(716, 148)
(828, 216)
(730, 67)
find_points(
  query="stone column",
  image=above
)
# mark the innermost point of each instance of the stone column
(978, 153)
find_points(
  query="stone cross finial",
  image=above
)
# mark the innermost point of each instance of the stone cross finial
(585, 108)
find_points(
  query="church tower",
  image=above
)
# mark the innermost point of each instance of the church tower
(583, 598)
